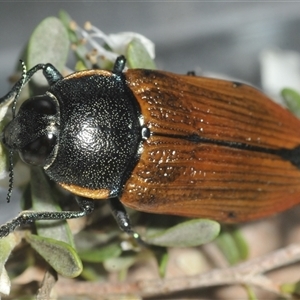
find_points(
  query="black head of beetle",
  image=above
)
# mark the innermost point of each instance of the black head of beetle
(85, 132)
(34, 131)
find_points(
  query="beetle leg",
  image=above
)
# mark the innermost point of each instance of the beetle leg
(27, 217)
(51, 74)
(123, 219)
(191, 73)
(119, 65)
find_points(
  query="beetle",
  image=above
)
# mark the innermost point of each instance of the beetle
(158, 142)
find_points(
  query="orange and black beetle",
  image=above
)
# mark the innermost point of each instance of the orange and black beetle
(158, 142)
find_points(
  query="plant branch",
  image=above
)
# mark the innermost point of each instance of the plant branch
(48, 283)
(250, 272)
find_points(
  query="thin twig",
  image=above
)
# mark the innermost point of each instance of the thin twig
(250, 272)
(44, 292)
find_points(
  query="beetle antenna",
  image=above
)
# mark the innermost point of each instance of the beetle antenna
(22, 82)
(11, 175)
(11, 152)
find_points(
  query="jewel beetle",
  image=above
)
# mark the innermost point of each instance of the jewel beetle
(158, 142)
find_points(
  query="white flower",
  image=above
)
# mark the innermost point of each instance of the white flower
(279, 69)
(117, 42)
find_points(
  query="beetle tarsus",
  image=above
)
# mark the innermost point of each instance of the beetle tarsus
(123, 219)
(9, 227)
(26, 217)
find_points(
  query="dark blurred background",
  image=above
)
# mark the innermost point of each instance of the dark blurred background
(220, 37)
(216, 36)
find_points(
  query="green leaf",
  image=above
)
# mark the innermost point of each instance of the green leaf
(186, 234)
(251, 293)
(4, 107)
(80, 65)
(101, 254)
(48, 43)
(137, 56)
(241, 244)
(66, 20)
(233, 245)
(291, 288)
(121, 263)
(78, 47)
(44, 199)
(292, 100)
(163, 263)
(7, 244)
(91, 273)
(3, 150)
(3, 161)
(61, 256)
(91, 239)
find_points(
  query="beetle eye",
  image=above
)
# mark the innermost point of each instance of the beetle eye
(40, 104)
(38, 151)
